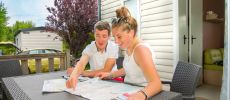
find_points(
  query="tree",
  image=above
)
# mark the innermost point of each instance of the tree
(73, 20)
(21, 25)
(3, 21)
(3, 17)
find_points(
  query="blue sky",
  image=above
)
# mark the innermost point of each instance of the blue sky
(27, 10)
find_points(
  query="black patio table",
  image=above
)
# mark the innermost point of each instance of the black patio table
(29, 87)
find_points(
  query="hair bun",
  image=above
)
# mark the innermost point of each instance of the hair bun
(123, 12)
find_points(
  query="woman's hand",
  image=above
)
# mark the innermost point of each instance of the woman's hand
(136, 96)
(103, 75)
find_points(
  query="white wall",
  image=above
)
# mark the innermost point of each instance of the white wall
(157, 29)
(108, 8)
(18, 41)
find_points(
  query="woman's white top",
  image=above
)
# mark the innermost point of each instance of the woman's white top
(97, 59)
(134, 74)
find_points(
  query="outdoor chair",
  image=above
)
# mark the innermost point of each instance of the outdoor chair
(185, 80)
(7, 69)
(119, 62)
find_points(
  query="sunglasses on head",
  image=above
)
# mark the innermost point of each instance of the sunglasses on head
(122, 20)
(119, 20)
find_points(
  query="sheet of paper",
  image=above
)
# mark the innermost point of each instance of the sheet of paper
(54, 85)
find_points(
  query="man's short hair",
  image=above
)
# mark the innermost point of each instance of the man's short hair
(102, 25)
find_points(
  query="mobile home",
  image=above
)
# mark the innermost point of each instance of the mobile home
(37, 38)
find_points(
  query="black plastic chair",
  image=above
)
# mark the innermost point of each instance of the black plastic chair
(7, 69)
(119, 62)
(185, 80)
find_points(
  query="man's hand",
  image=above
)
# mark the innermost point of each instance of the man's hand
(69, 71)
(72, 82)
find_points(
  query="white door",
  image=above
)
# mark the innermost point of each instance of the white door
(196, 34)
(191, 31)
(196, 31)
(183, 31)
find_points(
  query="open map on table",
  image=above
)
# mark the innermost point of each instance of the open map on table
(96, 89)
(54, 85)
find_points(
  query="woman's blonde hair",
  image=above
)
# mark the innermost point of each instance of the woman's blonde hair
(124, 20)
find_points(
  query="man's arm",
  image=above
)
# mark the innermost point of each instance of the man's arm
(80, 66)
(110, 62)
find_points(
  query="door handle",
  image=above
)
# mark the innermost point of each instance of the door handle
(193, 39)
(185, 39)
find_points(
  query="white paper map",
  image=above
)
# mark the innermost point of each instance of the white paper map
(96, 89)
(54, 85)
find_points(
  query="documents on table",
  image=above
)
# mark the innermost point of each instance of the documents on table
(93, 89)
(58, 85)
(54, 85)
(96, 89)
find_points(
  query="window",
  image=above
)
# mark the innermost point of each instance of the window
(33, 52)
(26, 32)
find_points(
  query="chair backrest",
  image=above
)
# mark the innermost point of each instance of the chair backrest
(185, 79)
(119, 62)
(10, 68)
(7, 69)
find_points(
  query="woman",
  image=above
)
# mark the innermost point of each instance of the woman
(138, 66)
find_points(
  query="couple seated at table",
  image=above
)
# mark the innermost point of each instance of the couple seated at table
(138, 66)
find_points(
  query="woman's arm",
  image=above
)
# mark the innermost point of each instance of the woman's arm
(118, 73)
(106, 75)
(143, 57)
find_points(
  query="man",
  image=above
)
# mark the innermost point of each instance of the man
(101, 55)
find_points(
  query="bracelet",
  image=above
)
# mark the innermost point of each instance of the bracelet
(146, 96)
